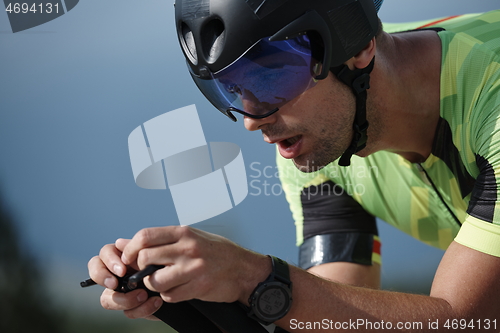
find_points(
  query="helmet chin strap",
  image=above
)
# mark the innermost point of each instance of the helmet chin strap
(359, 81)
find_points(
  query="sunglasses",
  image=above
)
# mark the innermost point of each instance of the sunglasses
(263, 79)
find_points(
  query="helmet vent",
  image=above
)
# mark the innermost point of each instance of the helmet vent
(188, 44)
(351, 25)
(213, 36)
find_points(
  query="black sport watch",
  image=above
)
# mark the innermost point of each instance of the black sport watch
(272, 299)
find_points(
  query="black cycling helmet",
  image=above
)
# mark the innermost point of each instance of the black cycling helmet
(213, 34)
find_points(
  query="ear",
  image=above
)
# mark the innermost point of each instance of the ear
(364, 57)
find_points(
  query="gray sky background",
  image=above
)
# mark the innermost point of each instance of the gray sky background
(73, 89)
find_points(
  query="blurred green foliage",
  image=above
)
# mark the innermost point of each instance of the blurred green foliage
(23, 305)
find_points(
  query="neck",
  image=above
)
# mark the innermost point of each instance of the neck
(404, 101)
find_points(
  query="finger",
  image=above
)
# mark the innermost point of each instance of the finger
(146, 309)
(180, 293)
(113, 300)
(120, 243)
(100, 273)
(151, 237)
(164, 255)
(167, 279)
(176, 285)
(111, 257)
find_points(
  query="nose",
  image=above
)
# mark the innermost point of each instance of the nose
(253, 105)
(252, 124)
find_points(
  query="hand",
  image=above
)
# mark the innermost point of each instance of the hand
(197, 264)
(135, 304)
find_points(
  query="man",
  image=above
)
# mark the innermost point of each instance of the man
(427, 163)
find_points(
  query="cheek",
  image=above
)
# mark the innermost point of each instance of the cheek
(326, 107)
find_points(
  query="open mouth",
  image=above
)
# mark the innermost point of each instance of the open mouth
(290, 141)
(290, 148)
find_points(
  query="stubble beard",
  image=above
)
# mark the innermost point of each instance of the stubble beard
(332, 136)
(327, 148)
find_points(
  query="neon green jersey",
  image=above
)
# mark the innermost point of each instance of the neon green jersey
(454, 194)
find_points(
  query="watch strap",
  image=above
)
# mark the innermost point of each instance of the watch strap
(281, 271)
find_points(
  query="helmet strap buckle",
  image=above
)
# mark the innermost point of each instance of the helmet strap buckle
(359, 81)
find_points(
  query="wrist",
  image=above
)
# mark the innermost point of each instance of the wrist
(257, 269)
(272, 298)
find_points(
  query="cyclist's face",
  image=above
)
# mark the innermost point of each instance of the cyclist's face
(315, 128)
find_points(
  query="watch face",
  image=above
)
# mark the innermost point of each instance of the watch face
(272, 301)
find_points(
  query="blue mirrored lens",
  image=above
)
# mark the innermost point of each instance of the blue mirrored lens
(263, 79)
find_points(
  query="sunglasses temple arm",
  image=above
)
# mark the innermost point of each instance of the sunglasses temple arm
(229, 111)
